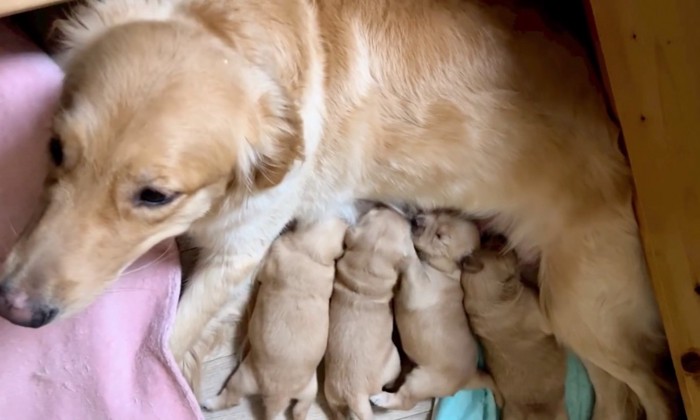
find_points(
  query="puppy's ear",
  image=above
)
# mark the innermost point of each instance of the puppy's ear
(471, 264)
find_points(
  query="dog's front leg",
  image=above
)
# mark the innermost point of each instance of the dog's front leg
(209, 288)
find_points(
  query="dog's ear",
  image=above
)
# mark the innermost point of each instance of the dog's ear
(276, 142)
(471, 264)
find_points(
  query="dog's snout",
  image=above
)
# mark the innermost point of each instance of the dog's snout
(18, 308)
(43, 316)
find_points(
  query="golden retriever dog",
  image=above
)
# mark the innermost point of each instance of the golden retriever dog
(525, 360)
(288, 330)
(361, 357)
(430, 317)
(225, 119)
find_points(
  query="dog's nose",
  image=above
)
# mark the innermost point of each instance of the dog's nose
(18, 308)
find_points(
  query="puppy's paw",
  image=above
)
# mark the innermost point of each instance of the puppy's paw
(384, 399)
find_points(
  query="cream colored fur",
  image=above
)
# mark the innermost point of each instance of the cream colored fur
(361, 357)
(248, 113)
(430, 317)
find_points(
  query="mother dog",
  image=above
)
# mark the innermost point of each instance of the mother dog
(228, 118)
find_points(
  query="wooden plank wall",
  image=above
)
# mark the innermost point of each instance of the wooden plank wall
(651, 54)
(10, 7)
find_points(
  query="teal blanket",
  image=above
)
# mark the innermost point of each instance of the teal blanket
(480, 405)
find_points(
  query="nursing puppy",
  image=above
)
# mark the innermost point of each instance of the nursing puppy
(289, 326)
(225, 119)
(525, 360)
(430, 317)
(361, 357)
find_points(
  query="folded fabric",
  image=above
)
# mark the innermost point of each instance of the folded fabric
(110, 361)
(480, 405)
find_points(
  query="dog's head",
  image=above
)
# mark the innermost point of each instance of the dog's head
(444, 235)
(159, 125)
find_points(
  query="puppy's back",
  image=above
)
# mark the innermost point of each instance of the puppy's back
(360, 338)
(525, 360)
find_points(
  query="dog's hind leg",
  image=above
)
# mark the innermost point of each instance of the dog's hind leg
(392, 369)
(360, 408)
(275, 406)
(240, 384)
(482, 380)
(419, 385)
(597, 297)
(618, 401)
(305, 398)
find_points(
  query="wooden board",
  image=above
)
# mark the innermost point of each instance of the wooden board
(10, 7)
(651, 52)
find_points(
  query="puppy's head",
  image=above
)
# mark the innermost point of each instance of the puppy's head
(490, 277)
(159, 124)
(444, 234)
(381, 239)
(323, 239)
(381, 226)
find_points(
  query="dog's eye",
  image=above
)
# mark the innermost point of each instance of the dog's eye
(152, 197)
(56, 151)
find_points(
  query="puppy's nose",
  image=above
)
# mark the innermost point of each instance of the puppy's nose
(418, 224)
(18, 308)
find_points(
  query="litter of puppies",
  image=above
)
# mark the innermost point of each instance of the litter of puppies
(330, 295)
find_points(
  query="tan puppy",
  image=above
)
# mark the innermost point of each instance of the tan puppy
(225, 119)
(361, 356)
(525, 360)
(432, 324)
(289, 327)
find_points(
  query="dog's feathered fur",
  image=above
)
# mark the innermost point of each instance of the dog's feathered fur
(249, 113)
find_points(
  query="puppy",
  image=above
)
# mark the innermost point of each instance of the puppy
(361, 357)
(526, 362)
(289, 326)
(432, 324)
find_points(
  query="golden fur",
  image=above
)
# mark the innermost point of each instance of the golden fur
(430, 317)
(289, 326)
(361, 357)
(525, 360)
(246, 113)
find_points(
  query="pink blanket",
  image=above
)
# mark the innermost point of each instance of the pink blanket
(110, 361)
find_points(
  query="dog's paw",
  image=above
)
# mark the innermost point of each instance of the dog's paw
(384, 399)
(213, 403)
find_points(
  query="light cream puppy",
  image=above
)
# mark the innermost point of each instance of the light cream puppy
(525, 360)
(432, 324)
(361, 356)
(289, 326)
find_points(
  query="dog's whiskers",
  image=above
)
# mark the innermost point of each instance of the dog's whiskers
(150, 263)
